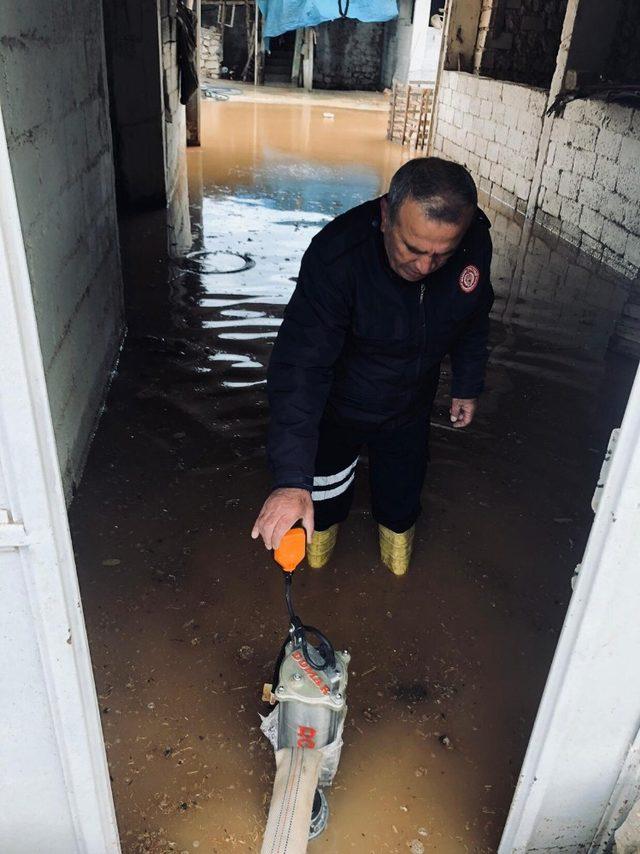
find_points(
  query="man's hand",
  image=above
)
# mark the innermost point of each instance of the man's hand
(462, 410)
(280, 512)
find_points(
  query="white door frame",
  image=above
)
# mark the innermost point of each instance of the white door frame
(54, 783)
(581, 771)
(581, 765)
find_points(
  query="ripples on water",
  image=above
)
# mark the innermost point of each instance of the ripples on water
(258, 198)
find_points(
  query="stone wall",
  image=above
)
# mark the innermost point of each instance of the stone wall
(591, 182)
(348, 55)
(518, 39)
(210, 52)
(493, 128)
(55, 106)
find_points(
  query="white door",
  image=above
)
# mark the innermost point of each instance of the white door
(54, 783)
(581, 773)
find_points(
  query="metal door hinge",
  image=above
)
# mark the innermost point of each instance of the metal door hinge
(12, 534)
(604, 471)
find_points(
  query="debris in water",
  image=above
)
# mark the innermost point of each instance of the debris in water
(416, 847)
(445, 741)
(371, 715)
(411, 692)
(246, 652)
(111, 561)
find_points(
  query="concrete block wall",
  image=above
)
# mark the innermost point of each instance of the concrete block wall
(348, 55)
(211, 52)
(493, 128)
(55, 108)
(590, 191)
(590, 177)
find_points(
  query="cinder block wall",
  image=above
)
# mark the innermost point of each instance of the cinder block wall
(54, 102)
(493, 128)
(591, 182)
(590, 178)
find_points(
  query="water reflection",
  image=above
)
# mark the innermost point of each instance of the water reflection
(544, 286)
(546, 292)
(267, 178)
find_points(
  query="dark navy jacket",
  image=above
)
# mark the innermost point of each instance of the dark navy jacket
(361, 345)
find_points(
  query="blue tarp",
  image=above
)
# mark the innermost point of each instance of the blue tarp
(280, 16)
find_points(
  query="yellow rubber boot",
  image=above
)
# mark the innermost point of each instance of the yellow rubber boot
(321, 546)
(395, 549)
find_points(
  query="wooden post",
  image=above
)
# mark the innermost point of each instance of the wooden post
(307, 63)
(406, 115)
(256, 42)
(297, 56)
(392, 111)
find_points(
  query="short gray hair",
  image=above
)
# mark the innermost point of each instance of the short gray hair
(443, 189)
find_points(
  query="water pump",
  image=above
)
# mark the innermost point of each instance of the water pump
(309, 687)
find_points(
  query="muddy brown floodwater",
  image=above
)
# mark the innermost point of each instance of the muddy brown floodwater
(185, 612)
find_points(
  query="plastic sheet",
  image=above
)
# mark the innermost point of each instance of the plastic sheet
(330, 753)
(187, 25)
(281, 16)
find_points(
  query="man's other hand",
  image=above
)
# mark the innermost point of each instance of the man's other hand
(280, 512)
(462, 410)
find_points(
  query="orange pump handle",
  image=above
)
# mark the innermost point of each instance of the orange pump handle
(291, 549)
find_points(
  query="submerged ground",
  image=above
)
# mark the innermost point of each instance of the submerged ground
(185, 612)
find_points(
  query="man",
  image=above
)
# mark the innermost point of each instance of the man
(385, 291)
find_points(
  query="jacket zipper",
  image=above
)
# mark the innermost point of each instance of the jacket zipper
(422, 329)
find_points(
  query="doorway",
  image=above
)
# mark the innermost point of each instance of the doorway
(442, 705)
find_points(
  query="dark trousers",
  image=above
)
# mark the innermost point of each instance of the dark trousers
(397, 467)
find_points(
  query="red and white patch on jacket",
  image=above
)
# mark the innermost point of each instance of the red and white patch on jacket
(469, 279)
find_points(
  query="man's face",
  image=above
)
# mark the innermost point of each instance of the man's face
(417, 246)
